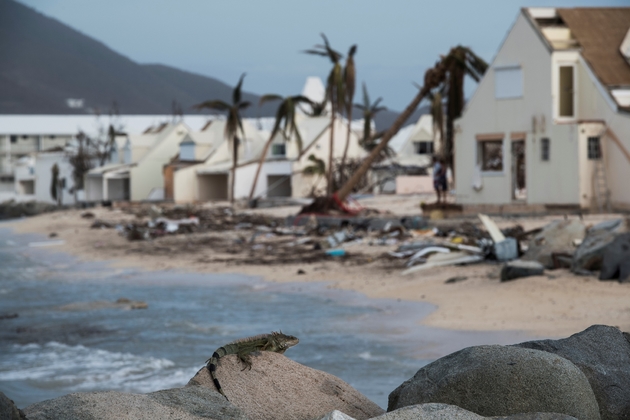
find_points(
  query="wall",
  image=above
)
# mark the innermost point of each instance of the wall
(147, 174)
(94, 188)
(186, 185)
(594, 103)
(245, 177)
(552, 182)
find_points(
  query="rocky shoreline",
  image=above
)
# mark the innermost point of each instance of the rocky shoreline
(584, 376)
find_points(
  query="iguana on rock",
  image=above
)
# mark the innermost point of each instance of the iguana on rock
(276, 342)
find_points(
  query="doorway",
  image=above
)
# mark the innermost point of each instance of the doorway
(519, 188)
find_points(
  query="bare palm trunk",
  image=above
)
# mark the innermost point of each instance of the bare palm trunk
(345, 150)
(260, 164)
(234, 161)
(329, 187)
(391, 132)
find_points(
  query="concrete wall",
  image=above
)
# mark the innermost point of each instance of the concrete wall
(553, 182)
(147, 174)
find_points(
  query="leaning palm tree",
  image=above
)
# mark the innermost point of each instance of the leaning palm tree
(459, 62)
(349, 81)
(437, 115)
(335, 94)
(233, 124)
(285, 123)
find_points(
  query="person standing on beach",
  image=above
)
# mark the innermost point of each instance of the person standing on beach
(439, 179)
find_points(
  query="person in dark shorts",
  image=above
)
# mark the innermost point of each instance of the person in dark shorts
(439, 179)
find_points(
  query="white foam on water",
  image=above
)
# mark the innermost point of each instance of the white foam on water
(80, 368)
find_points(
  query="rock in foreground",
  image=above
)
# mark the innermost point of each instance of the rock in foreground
(277, 388)
(501, 381)
(557, 237)
(8, 410)
(188, 403)
(603, 354)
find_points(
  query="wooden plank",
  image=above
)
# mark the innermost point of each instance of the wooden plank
(492, 228)
(618, 142)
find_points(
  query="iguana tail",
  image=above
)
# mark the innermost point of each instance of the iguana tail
(211, 364)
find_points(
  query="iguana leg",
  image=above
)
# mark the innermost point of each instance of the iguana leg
(246, 359)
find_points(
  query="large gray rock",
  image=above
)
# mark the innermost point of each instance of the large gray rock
(518, 268)
(616, 263)
(188, 403)
(603, 354)
(557, 237)
(500, 381)
(437, 411)
(8, 410)
(590, 254)
(277, 388)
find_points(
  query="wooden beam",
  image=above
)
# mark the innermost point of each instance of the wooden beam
(618, 142)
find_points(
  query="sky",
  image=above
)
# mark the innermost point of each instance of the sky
(397, 39)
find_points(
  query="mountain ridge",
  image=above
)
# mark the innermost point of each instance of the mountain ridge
(46, 62)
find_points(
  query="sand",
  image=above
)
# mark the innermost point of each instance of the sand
(556, 304)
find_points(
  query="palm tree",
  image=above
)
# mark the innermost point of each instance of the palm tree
(233, 124)
(349, 81)
(437, 114)
(317, 167)
(369, 111)
(433, 78)
(459, 62)
(334, 93)
(285, 114)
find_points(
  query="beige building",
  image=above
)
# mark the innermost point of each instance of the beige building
(136, 171)
(549, 123)
(282, 172)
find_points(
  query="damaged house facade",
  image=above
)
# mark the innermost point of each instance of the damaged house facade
(549, 124)
(282, 173)
(135, 171)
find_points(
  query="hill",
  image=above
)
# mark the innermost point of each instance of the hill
(45, 62)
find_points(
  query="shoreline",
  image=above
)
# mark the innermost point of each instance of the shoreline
(556, 304)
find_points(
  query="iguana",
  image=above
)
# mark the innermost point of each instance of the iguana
(276, 342)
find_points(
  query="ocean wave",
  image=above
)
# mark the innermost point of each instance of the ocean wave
(80, 368)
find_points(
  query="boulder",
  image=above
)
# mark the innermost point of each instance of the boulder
(278, 388)
(602, 353)
(500, 381)
(590, 254)
(557, 237)
(616, 262)
(188, 403)
(519, 268)
(336, 415)
(8, 410)
(436, 411)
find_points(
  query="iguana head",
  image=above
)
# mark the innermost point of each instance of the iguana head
(284, 341)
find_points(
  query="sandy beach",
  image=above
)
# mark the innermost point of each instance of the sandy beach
(556, 304)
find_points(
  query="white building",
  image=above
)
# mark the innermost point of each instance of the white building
(33, 178)
(549, 124)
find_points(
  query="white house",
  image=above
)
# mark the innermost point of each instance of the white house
(549, 124)
(33, 178)
(139, 176)
(282, 172)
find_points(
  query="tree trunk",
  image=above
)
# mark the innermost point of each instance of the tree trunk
(342, 168)
(260, 164)
(329, 187)
(234, 161)
(391, 132)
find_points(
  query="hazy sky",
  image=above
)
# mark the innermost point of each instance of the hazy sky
(397, 39)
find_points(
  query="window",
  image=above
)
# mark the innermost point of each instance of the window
(423, 147)
(565, 96)
(278, 149)
(594, 148)
(544, 149)
(508, 82)
(491, 155)
(24, 136)
(14, 139)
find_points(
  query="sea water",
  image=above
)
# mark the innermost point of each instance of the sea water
(59, 343)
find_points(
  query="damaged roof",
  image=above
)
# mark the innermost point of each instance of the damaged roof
(600, 32)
